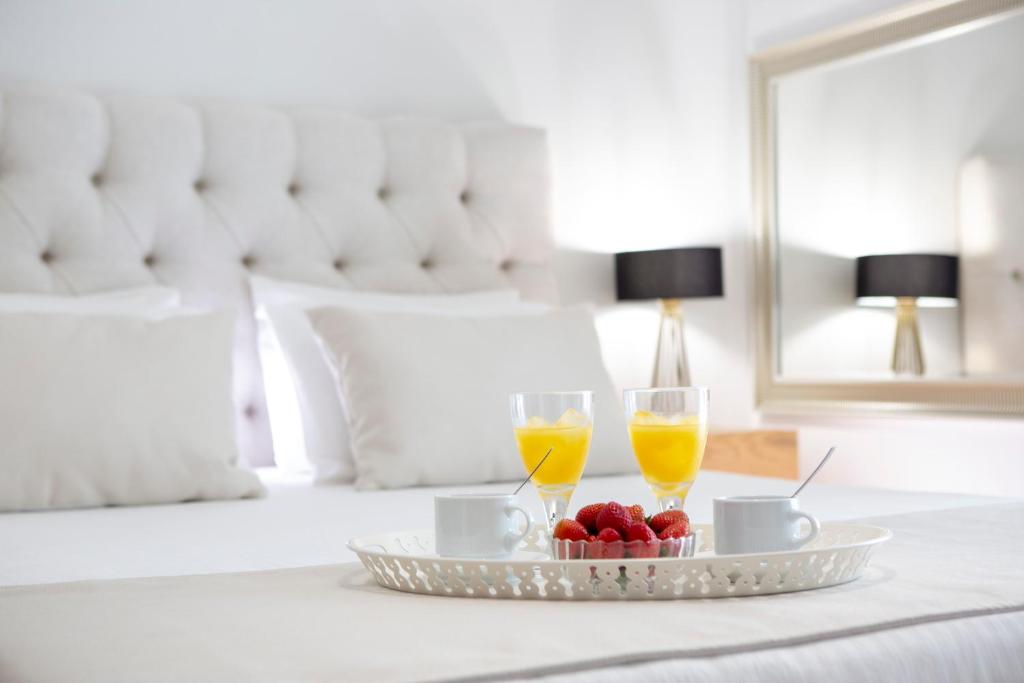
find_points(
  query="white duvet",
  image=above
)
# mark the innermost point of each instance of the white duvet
(298, 525)
(920, 613)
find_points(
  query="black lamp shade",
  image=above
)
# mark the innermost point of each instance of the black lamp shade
(909, 275)
(682, 273)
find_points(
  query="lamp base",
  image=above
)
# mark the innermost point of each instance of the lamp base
(907, 358)
(670, 366)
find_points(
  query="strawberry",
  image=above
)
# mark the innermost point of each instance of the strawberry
(587, 516)
(636, 513)
(641, 532)
(614, 516)
(614, 551)
(647, 543)
(570, 530)
(664, 520)
(678, 530)
(607, 551)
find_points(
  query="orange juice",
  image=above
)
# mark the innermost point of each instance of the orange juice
(570, 445)
(669, 451)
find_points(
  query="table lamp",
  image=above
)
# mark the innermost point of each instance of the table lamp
(907, 281)
(669, 275)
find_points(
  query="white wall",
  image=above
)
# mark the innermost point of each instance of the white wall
(774, 22)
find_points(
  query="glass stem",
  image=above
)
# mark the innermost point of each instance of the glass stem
(555, 508)
(670, 503)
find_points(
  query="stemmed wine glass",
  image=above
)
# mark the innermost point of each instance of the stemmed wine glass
(669, 430)
(560, 422)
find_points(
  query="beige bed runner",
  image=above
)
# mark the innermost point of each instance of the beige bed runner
(333, 623)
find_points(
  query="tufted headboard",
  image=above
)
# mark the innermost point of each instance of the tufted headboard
(100, 193)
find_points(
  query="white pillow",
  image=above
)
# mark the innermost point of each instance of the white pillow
(154, 301)
(428, 396)
(116, 410)
(307, 418)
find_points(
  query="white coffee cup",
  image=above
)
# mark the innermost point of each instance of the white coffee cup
(760, 524)
(478, 525)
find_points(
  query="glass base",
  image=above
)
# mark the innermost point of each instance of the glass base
(556, 502)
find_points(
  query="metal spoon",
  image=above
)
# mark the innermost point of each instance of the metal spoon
(530, 475)
(811, 475)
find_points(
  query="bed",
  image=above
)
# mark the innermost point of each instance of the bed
(199, 196)
(303, 527)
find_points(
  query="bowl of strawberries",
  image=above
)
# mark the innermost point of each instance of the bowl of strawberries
(612, 531)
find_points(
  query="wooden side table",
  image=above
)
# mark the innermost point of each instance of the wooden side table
(760, 452)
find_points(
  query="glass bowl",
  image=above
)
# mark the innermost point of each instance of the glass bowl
(623, 550)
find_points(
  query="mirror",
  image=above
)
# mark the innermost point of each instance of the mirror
(889, 186)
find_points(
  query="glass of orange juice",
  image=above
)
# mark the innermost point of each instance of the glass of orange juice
(560, 422)
(668, 429)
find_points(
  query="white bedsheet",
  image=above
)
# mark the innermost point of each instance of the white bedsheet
(986, 648)
(917, 614)
(299, 524)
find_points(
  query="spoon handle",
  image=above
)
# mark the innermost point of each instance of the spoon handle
(530, 475)
(816, 470)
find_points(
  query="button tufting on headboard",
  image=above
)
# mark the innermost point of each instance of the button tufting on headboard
(200, 185)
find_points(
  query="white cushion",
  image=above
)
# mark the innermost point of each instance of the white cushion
(153, 301)
(307, 416)
(427, 396)
(116, 410)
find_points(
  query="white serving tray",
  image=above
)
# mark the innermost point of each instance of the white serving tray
(406, 561)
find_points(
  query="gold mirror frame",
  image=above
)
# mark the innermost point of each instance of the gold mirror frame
(777, 395)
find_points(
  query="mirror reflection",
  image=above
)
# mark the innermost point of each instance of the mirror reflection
(900, 211)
